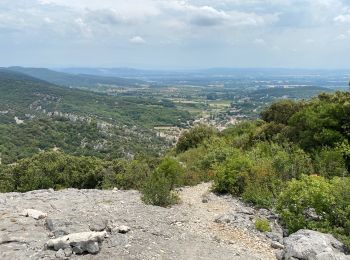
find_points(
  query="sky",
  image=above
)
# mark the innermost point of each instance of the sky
(168, 34)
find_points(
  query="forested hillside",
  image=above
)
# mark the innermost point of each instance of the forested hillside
(36, 116)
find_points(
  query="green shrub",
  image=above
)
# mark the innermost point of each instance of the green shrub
(242, 135)
(172, 170)
(231, 174)
(340, 218)
(158, 188)
(7, 182)
(157, 191)
(262, 225)
(280, 112)
(330, 162)
(56, 170)
(125, 174)
(311, 192)
(288, 161)
(262, 185)
(259, 174)
(329, 199)
(194, 137)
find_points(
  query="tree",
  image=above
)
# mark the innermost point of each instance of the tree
(281, 111)
(194, 137)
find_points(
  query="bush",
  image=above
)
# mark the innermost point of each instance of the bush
(262, 185)
(288, 160)
(262, 225)
(280, 112)
(327, 200)
(259, 174)
(125, 174)
(311, 192)
(194, 137)
(341, 212)
(242, 135)
(230, 176)
(157, 191)
(172, 170)
(7, 182)
(330, 163)
(158, 188)
(192, 160)
(56, 170)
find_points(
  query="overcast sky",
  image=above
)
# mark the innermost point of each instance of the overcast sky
(175, 34)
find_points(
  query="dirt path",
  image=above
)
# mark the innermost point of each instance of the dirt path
(202, 221)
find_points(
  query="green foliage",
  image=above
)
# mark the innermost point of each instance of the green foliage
(323, 121)
(230, 176)
(258, 174)
(262, 185)
(194, 137)
(124, 174)
(157, 191)
(200, 162)
(281, 111)
(159, 186)
(262, 225)
(330, 201)
(340, 225)
(330, 163)
(242, 135)
(53, 170)
(7, 182)
(309, 192)
(172, 171)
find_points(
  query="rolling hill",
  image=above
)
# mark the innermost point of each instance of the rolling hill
(36, 115)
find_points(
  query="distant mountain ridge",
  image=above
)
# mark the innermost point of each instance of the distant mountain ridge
(75, 80)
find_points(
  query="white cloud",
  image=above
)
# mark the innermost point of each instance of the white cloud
(137, 40)
(105, 16)
(343, 36)
(343, 18)
(260, 41)
(208, 16)
(84, 28)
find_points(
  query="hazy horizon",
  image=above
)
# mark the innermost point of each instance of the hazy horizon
(175, 34)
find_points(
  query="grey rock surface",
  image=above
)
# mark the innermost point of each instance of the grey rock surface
(243, 216)
(184, 231)
(313, 245)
